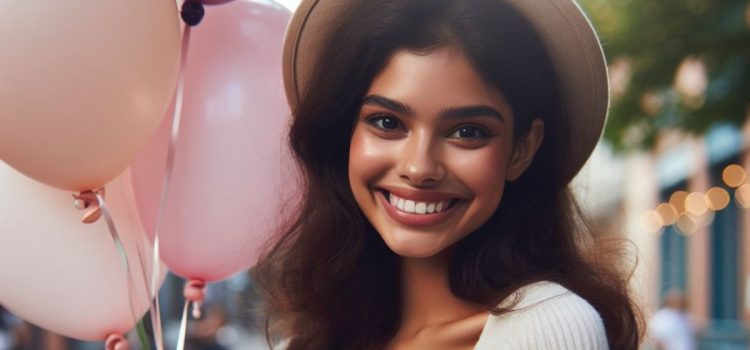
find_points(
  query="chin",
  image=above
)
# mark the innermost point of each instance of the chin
(412, 249)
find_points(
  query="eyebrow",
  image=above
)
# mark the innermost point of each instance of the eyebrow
(387, 103)
(450, 113)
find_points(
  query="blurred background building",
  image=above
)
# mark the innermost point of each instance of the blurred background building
(675, 157)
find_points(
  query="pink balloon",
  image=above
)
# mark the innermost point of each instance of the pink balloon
(231, 172)
(83, 87)
(64, 275)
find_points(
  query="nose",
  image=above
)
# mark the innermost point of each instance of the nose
(420, 163)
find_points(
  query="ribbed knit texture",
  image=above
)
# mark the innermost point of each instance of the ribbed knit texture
(547, 317)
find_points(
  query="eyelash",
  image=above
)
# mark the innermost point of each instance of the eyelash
(483, 133)
(377, 120)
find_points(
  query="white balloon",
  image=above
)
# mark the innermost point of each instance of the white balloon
(64, 275)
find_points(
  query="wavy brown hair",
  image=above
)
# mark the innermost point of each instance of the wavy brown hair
(330, 282)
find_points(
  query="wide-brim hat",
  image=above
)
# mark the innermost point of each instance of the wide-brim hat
(566, 32)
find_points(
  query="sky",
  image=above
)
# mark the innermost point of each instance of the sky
(290, 4)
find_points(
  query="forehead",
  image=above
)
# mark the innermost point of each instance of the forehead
(442, 78)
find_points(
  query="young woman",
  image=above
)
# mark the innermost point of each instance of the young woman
(437, 139)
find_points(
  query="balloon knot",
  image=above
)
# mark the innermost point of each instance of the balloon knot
(87, 201)
(195, 290)
(116, 342)
(192, 12)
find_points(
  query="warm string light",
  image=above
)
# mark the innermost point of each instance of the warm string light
(696, 204)
(677, 200)
(686, 224)
(742, 196)
(667, 213)
(651, 221)
(733, 175)
(688, 212)
(717, 198)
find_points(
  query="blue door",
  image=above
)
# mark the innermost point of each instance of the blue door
(725, 330)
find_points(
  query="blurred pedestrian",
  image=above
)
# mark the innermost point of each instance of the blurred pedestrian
(671, 328)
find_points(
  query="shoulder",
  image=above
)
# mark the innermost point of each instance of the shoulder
(547, 316)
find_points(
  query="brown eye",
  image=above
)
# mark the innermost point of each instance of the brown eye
(386, 123)
(469, 132)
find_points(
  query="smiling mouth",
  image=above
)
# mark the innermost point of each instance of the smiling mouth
(418, 207)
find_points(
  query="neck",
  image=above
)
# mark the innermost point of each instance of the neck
(426, 295)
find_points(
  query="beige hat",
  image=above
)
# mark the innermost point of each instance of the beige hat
(567, 34)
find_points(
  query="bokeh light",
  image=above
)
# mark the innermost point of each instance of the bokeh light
(677, 201)
(733, 175)
(718, 198)
(667, 213)
(691, 81)
(704, 219)
(686, 224)
(742, 196)
(651, 221)
(696, 203)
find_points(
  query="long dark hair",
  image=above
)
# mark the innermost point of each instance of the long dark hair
(329, 280)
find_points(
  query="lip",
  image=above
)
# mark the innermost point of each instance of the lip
(415, 220)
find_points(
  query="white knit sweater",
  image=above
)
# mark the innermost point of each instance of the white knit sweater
(548, 316)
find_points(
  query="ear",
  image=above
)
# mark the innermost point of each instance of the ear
(525, 150)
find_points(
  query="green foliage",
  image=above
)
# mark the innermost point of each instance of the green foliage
(654, 37)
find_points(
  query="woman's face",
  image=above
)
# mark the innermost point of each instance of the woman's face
(431, 150)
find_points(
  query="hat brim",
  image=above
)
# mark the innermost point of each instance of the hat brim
(566, 33)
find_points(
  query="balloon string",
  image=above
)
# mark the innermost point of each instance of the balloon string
(120, 249)
(179, 96)
(195, 293)
(154, 310)
(183, 327)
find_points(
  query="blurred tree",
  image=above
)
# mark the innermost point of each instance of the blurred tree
(681, 64)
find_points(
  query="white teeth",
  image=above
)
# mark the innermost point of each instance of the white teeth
(409, 206)
(414, 207)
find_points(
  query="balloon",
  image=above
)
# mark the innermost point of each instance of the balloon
(83, 85)
(231, 171)
(64, 275)
(214, 2)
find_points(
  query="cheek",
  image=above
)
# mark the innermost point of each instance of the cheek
(369, 159)
(483, 172)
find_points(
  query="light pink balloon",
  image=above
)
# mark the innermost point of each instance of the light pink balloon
(232, 175)
(83, 85)
(64, 275)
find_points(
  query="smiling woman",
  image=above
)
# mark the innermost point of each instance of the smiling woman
(439, 142)
(437, 139)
